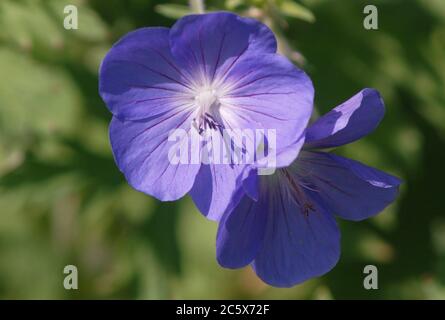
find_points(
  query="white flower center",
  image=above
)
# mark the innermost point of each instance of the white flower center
(207, 101)
(205, 98)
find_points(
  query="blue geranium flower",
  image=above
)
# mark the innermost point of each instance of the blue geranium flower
(207, 72)
(284, 226)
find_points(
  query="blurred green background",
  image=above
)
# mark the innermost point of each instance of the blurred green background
(63, 200)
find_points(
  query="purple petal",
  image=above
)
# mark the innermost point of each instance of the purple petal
(297, 245)
(216, 187)
(348, 122)
(141, 150)
(240, 233)
(349, 189)
(205, 43)
(138, 78)
(251, 183)
(269, 92)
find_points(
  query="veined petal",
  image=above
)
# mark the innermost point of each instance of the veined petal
(287, 245)
(348, 122)
(216, 187)
(297, 245)
(251, 185)
(211, 43)
(241, 232)
(139, 78)
(142, 148)
(268, 92)
(349, 189)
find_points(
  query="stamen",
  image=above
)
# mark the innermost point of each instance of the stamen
(207, 121)
(207, 101)
(298, 194)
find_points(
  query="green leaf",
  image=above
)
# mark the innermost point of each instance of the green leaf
(233, 4)
(26, 22)
(91, 26)
(173, 11)
(31, 22)
(160, 230)
(296, 10)
(35, 97)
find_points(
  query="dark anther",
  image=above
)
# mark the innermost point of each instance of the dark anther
(207, 121)
(308, 207)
